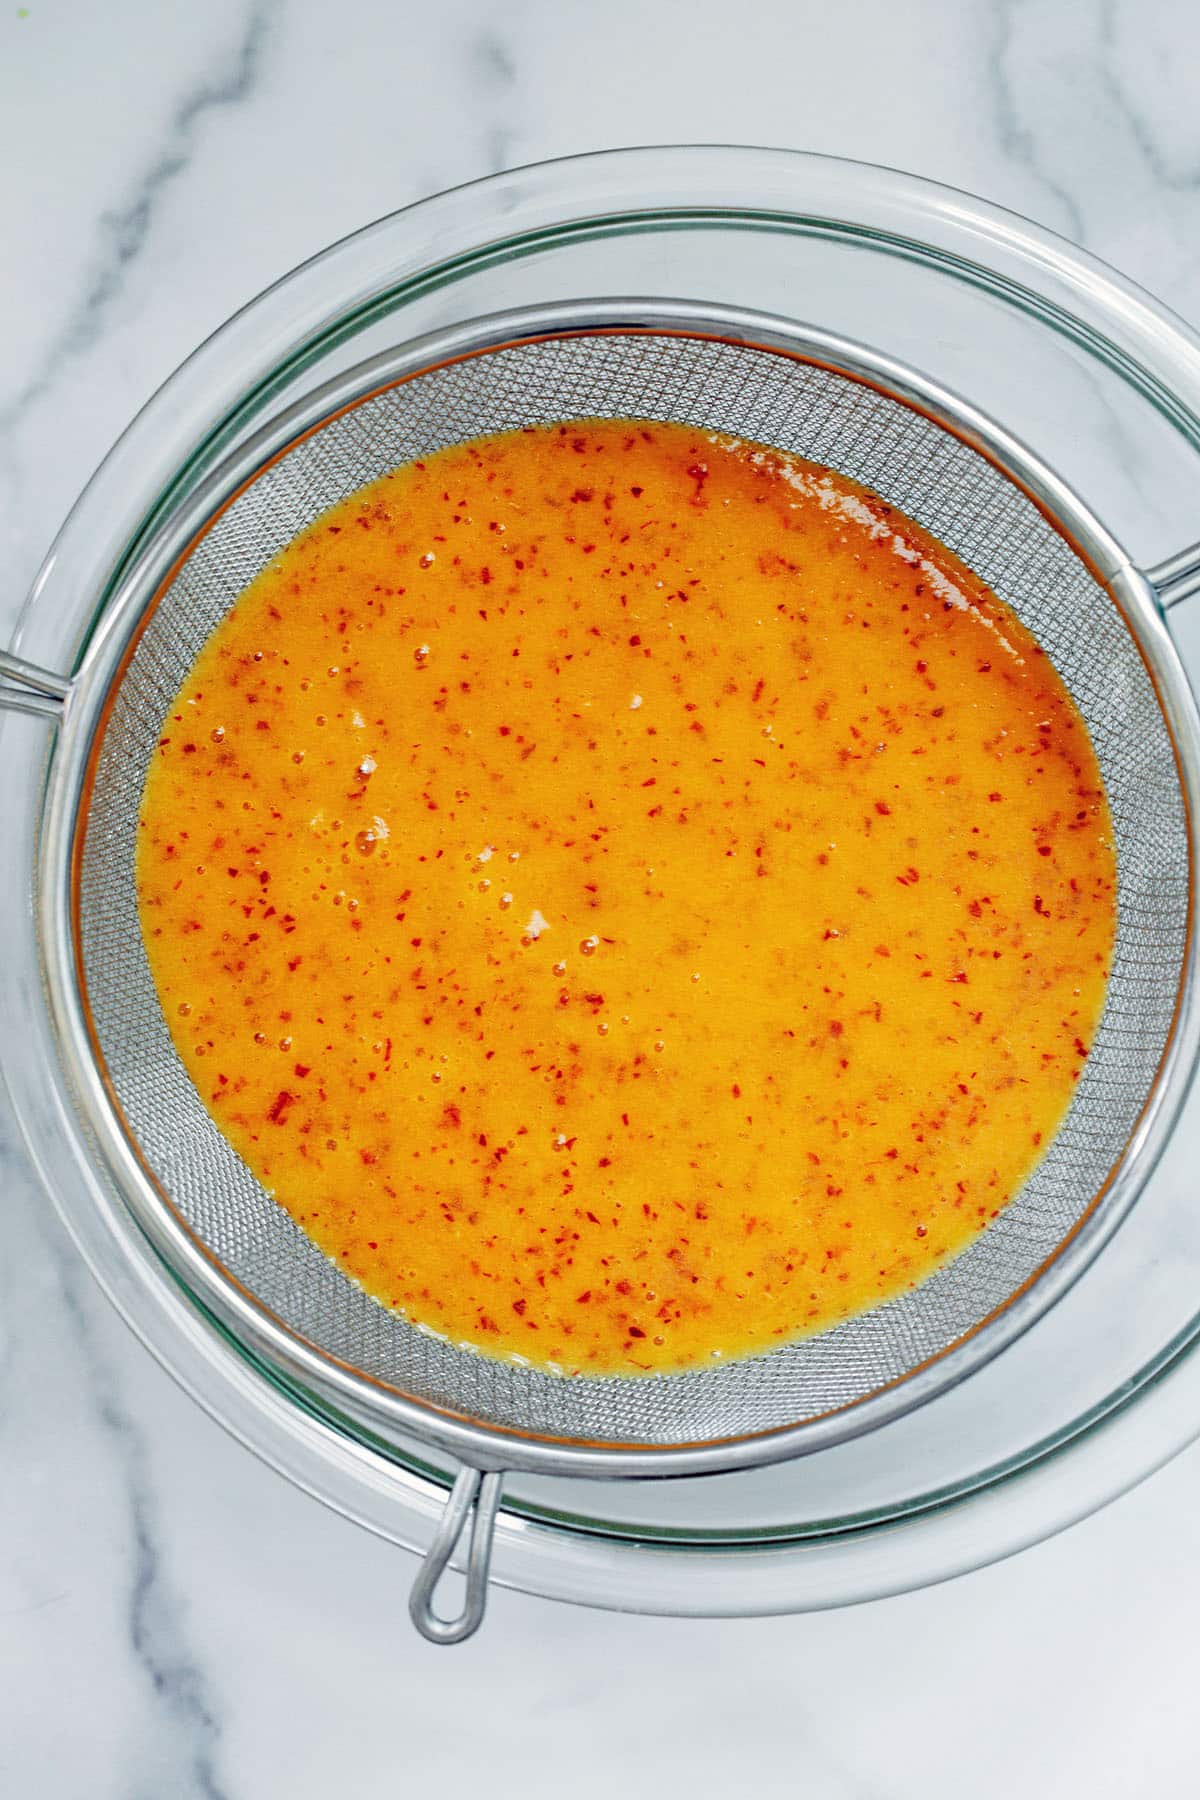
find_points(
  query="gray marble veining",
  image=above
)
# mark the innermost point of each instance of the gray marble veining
(123, 231)
(174, 1620)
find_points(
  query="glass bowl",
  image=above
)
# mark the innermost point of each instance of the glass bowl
(1100, 382)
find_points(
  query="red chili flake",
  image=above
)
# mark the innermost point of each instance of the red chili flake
(519, 1306)
(368, 1157)
(736, 1091)
(281, 1103)
(882, 807)
(302, 1069)
(635, 1331)
(1044, 850)
(994, 797)
(835, 1028)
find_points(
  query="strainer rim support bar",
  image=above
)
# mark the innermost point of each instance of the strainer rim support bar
(27, 688)
(1177, 577)
(475, 1501)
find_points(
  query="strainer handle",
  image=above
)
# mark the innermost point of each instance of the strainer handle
(1178, 578)
(475, 1495)
(26, 688)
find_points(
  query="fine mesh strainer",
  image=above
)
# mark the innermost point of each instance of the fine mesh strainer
(792, 387)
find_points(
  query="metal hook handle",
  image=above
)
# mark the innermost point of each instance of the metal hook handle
(1178, 578)
(473, 1493)
(36, 691)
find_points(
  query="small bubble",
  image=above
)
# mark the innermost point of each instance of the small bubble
(659, 1044)
(352, 906)
(514, 856)
(297, 756)
(365, 842)
(260, 1037)
(339, 896)
(506, 901)
(484, 885)
(922, 1230)
(258, 656)
(285, 1043)
(217, 734)
(768, 731)
(305, 685)
(436, 1075)
(560, 968)
(660, 1340)
(624, 1018)
(602, 1028)
(696, 976)
(321, 719)
(335, 670)
(427, 560)
(184, 1009)
(589, 946)
(421, 655)
(564, 997)
(367, 766)
(200, 1050)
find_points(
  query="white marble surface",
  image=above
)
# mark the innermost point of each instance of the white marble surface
(174, 1619)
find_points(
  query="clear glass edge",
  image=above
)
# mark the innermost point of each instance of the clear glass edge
(1159, 1369)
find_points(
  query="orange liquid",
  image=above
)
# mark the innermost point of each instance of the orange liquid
(632, 897)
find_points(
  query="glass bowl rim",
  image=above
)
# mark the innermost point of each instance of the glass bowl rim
(892, 194)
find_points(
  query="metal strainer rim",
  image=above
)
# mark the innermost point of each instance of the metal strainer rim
(350, 1391)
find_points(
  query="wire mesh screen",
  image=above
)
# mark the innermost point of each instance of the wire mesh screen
(930, 475)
